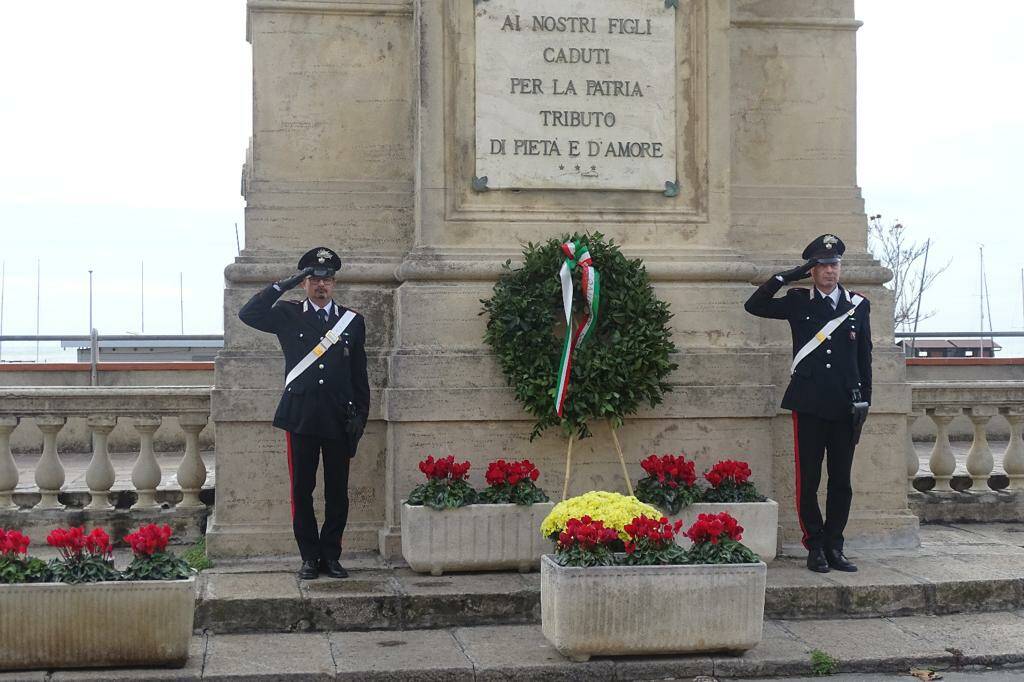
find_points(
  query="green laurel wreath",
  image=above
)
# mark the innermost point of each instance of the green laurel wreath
(623, 364)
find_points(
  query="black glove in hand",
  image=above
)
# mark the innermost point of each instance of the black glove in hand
(290, 282)
(797, 273)
(354, 423)
(859, 412)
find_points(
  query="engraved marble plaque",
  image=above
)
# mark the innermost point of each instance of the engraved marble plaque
(579, 94)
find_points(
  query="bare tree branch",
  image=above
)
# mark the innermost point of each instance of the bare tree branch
(889, 243)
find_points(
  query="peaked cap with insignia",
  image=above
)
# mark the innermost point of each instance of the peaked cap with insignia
(324, 261)
(827, 248)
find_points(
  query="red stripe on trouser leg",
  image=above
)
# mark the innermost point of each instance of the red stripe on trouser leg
(291, 473)
(796, 456)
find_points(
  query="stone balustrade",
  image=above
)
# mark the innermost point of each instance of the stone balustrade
(143, 406)
(979, 401)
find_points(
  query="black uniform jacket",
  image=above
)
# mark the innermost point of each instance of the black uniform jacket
(316, 400)
(822, 383)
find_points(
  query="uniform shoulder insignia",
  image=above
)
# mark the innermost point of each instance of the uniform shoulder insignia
(857, 293)
(798, 290)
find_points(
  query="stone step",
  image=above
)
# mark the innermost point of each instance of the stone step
(520, 652)
(957, 570)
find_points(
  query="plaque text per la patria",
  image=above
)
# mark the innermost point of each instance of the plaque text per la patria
(575, 95)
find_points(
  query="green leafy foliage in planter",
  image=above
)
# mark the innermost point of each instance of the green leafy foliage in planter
(512, 482)
(586, 542)
(729, 483)
(623, 364)
(652, 543)
(670, 483)
(446, 486)
(716, 540)
(83, 558)
(15, 564)
(152, 561)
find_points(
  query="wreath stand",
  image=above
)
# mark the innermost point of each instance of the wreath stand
(618, 449)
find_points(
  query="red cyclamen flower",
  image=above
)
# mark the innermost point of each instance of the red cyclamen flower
(500, 472)
(712, 527)
(150, 539)
(672, 470)
(445, 467)
(728, 471)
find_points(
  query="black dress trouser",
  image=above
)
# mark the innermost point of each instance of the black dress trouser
(812, 436)
(303, 460)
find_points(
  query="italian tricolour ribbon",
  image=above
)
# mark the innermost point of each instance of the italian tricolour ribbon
(576, 255)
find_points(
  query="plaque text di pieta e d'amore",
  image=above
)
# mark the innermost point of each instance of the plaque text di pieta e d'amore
(575, 95)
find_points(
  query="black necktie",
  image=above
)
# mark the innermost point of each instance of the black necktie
(323, 315)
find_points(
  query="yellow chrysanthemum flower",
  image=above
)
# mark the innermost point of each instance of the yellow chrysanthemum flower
(613, 509)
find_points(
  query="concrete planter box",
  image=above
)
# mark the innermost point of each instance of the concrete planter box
(478, 537)
(638, 610)
(109, 624)
(760, 521)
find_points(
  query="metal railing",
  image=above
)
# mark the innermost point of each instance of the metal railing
(95, 338)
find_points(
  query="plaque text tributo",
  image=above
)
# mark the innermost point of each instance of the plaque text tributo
(575, 95)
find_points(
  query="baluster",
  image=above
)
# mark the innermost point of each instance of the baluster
(979, 457)
(146, 472)
(191, 471)
(8, 469)
(50, 470)
(100, 474)
(1013, 458)
(910, 452)
(942, 461)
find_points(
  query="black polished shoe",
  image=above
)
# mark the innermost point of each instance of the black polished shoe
(309, 570)
(333, 568)
(816, 561)
(836, 560)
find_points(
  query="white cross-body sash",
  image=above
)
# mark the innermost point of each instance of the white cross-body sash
(330, 338)
(825, 331)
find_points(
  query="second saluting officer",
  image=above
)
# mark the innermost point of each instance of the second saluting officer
(829, 389)
(325, 403)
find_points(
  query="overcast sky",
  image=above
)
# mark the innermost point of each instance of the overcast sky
(123, 126)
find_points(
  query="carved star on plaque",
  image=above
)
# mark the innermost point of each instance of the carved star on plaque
(561, 167)
(577, 167)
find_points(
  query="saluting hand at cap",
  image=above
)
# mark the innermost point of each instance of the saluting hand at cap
(799, 272)
(291, 282)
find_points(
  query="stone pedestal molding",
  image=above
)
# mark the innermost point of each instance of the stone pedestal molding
(387, 179)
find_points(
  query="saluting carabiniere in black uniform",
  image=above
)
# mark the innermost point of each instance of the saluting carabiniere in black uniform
(325, 402)
(829, 390)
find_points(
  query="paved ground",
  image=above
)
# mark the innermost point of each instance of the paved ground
(886, 646)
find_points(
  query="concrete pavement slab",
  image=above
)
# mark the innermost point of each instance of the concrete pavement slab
(779, 652)
(993, 638)
(366, 600)
(866, 644)
(520, 653)
(408, 655)
(444, 601)
(269, 657)
(250, 602)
